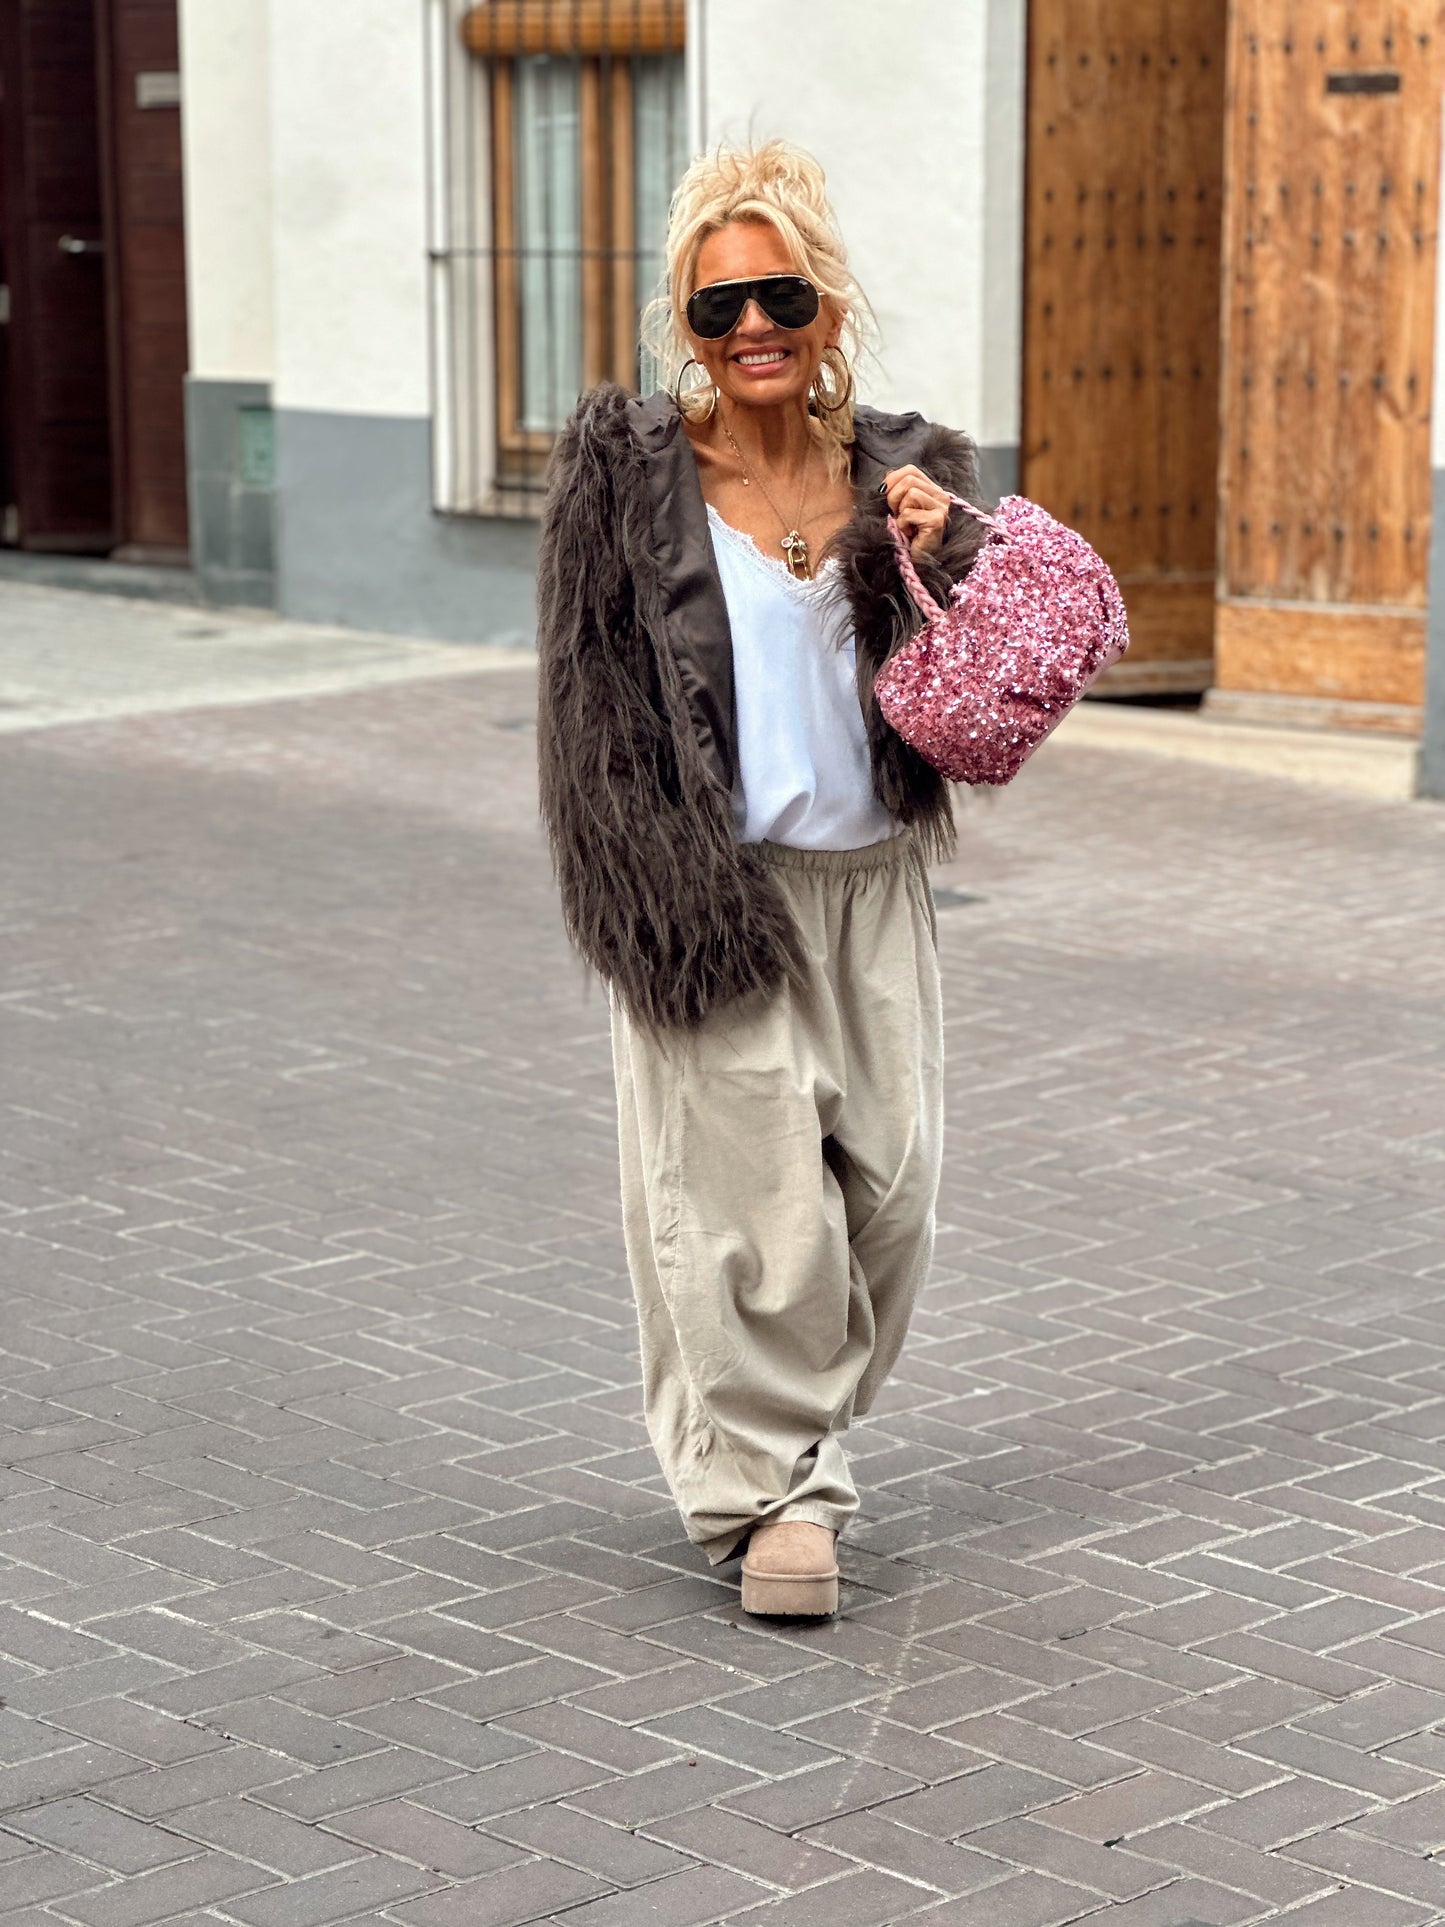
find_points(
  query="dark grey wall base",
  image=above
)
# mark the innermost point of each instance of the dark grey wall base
(231, 485)
(358, 542)
(1432, 742)
(998, 468)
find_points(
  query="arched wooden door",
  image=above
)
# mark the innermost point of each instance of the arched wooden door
(1124, 194)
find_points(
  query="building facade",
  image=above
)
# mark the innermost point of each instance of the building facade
(407, 224)
(1173, 263)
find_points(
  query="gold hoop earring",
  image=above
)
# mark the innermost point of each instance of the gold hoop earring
(843, 382)
(677, 394)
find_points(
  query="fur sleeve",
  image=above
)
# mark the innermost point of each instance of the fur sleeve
(656, 893)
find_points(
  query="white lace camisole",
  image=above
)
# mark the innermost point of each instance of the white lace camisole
(803, 771)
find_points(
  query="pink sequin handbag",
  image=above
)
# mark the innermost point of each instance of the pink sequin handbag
(1035, 620)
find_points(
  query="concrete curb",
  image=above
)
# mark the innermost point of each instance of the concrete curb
(1347, 760)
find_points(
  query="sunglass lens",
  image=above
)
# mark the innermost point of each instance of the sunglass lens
(790, 301)
(713, 312)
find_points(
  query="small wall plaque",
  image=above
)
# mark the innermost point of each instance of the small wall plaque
(258, 447)
(1385, 81)
(157, 90)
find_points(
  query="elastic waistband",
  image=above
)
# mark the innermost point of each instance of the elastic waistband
(890, 851)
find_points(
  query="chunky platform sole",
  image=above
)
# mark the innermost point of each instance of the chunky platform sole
(812, 1595)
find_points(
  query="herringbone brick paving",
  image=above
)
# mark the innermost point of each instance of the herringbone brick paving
(340, 1582)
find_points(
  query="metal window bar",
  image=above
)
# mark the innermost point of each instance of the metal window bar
(558, 129)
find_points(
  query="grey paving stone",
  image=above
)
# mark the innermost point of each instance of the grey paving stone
(807, 1799)
(97, 1833)
(674, 1788)
(1416, 1823)
(747, 1846)
(75, 1769)
(1290, 1811)
(440, 1845)
(611, 1853)
(1344, 1855)
(639, 1702)
(862, 1899)
(881, 1843)
(688, 1899)
(332, 1789)
(746, 1743)
(572, 1729)
(429, 1728)
(529, 1682)
(339, 1893)
(365, 1686)
(975, 1800)
(1185, 1903)
(1120, 1872)
(527, 1782)
(162, 1892)
(138, 1730)
(1131, 1807)
(45, 1876)
(1007, 1739)
(270, 1722)
(1027, 1900)
(251, 1832)
(534, 1890)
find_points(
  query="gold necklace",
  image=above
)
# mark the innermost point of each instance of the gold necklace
(794, 543)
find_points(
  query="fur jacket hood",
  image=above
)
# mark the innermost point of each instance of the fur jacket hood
(636, 729)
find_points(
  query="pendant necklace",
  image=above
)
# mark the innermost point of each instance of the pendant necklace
(794, 543)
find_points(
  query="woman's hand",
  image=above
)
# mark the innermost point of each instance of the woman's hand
(920, 505)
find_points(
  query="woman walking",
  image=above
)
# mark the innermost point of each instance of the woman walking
(740, 841)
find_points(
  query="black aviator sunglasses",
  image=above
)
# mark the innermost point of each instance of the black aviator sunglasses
(788, 300)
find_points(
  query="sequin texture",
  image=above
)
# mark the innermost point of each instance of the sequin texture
(1035, 620)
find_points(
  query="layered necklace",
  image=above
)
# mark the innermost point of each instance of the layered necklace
(794, 543)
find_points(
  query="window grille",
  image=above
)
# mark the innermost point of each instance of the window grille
(559, 129)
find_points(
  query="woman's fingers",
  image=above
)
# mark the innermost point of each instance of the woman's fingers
(901, 483)
(920, 507)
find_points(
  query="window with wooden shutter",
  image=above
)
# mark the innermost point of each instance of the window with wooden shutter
(574, 136)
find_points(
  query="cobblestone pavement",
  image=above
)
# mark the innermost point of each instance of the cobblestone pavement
(340, 1583)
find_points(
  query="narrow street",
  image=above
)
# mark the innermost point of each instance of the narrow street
(340, 1581)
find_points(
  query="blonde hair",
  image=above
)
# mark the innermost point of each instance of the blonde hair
(780, 184)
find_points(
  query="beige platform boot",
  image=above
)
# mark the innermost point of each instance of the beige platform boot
(789, 1568)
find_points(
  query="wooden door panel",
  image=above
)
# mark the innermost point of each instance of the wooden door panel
(1330, 245)
(1330, 315)
(58, 405)
(149, 288)
(1121, 329)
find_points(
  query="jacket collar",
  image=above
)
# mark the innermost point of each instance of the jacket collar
(694, 608)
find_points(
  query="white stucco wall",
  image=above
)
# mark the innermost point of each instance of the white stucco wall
(349, 155)
(226, 135)
(917, 113)
(1437, 402)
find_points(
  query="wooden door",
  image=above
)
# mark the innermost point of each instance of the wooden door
(1125, 147)
(140, 71)
(57, 402)
(1330, 243)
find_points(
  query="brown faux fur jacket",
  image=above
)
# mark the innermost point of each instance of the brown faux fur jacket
(636, 731)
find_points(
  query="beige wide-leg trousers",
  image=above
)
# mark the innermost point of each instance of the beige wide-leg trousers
(780, 1167)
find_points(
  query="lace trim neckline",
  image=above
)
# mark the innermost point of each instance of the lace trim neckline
(774, 567)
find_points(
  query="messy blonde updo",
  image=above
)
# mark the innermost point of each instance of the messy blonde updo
(781, 184)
